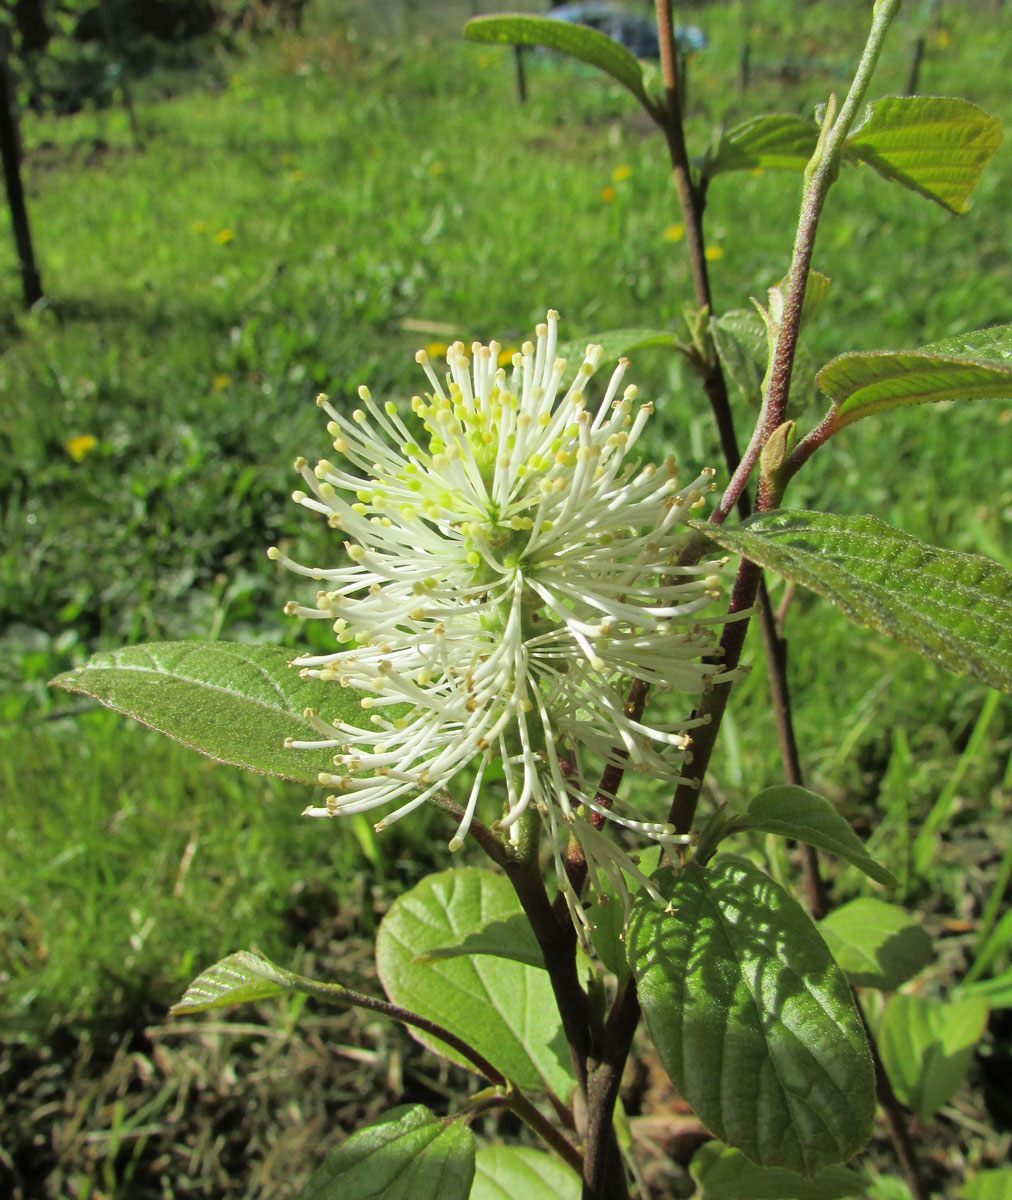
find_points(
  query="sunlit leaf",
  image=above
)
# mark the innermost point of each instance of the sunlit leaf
(877, 944)
(238, 979)
(795, 812)
(751, 1017)
(504, 1009)
(934, 145)
(976, 366)
(954, 609)
(234, 703)
(726, 1174)
(522, 1173)
(407, 1154)
(507, 937)
(779, 141)
(578, 41)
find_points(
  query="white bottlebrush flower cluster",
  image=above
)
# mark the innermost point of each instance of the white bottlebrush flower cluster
(511, 573)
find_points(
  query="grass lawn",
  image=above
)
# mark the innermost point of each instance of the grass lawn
(323, 204)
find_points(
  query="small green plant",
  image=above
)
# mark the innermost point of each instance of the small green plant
(527, 636)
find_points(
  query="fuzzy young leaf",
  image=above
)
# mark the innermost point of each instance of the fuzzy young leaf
(877, 944)
(506, 1010)
(506, 1172)
(954, 609)
(726, 1174)
(578, 41)
(236, 704)
(794, 812)
(976, 366)
(927, 1045)
(238, 979)
(407, 1154)
(780, 141)
(752, 1019)
(508, 937)
(934, 145)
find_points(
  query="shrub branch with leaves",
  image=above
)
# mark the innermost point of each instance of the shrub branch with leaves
(520, 604)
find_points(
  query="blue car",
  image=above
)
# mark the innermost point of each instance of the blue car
(637, 33)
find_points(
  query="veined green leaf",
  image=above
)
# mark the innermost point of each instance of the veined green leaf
(954, 609)
(751, 1017)
(407, 1154)
(509, 1172)
(726, 1174)
(780, 141)
(934, 145)
(507, 937)
(578, 41)
(238, 979)
(975, 366)
(877, 944)
(795, 812)
(236, 704)
(506, 1010)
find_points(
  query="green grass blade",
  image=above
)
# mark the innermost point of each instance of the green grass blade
(954, 609)
(925, 843)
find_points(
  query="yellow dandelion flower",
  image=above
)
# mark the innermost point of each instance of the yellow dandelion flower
(942, 39)
(435, 349)
(436, 168)
(674, 233)
(77, 447)
(220, 382)
(756, 171)
(622, 171)
(223, 236)
(714, 252)
(608, 193)
(505, 357)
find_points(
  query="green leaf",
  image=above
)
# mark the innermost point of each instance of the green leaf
(506, 1010)
(407, 1154)
(726, 1174)
(779, 141)
(739, 337)
(509, 1172)
(508, 937)
(934, 145)
(616, 344)
(927, 1045)
(877, 944)
(607, 929)
(236, 704)
(752, 1019)
(954, 609)
(989, 1185)
(238, 979)
(578, 41)
(976, 366)
(794, 812)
